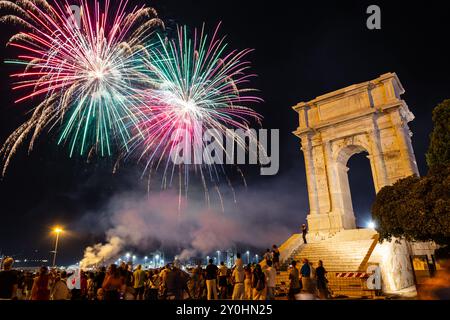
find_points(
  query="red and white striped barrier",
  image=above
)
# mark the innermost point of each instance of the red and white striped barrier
(352, 275)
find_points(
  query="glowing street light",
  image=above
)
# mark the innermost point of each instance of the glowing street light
(371, 225)
(134, 258)
(256, 256)
(218, 256)
(248, 256)
(57, 230)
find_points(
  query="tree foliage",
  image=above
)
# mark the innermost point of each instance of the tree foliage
(415, 208)
(419, 208)
(439, 150)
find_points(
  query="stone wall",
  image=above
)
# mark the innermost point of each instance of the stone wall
(395, 264)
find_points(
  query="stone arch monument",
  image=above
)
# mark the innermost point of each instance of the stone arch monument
(367, 117)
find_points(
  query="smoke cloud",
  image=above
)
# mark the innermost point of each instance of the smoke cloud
(146, 222)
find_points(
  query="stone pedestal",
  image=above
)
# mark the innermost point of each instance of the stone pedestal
(395, 264)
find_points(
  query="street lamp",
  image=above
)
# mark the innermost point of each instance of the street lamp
(157, 260)
(248, 257)
(256, 256)
(57, 231)
(218, 256)
(145, 260)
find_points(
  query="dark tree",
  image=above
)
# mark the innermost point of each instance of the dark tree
(439, 150)
(419, 208)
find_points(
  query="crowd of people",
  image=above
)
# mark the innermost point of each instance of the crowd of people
(308, 281)
(256, 281)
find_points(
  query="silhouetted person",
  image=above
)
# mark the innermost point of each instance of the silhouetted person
(223, 283)
(294, 285)
(99, 278)
(258, 283)
(113, 283)
(211, 280)
(40, 290)
(304, 232)
(8, 280)
(276, 257)
(322, 281)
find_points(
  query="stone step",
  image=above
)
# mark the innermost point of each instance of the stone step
(347, 251)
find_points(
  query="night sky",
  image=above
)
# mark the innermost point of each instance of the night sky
(301, 51)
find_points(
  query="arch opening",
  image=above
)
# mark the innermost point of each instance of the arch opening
(362, 187)
(350, 195)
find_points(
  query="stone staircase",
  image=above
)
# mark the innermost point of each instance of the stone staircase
(346, 251)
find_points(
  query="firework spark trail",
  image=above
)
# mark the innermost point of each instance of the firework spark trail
(86, 78)
(199, 83)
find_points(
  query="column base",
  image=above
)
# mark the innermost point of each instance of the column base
(322, 226)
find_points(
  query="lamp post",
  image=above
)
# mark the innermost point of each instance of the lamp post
(218, 256)
(145, 260)
(256, 256)
(248, 257)
(57, 231)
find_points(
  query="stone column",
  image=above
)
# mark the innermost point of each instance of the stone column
(310, 174)
(402, 133)
(376, 158)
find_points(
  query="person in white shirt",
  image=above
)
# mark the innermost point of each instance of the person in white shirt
(271, 274)
(239, 264)
(60, 290)
(238, 277)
